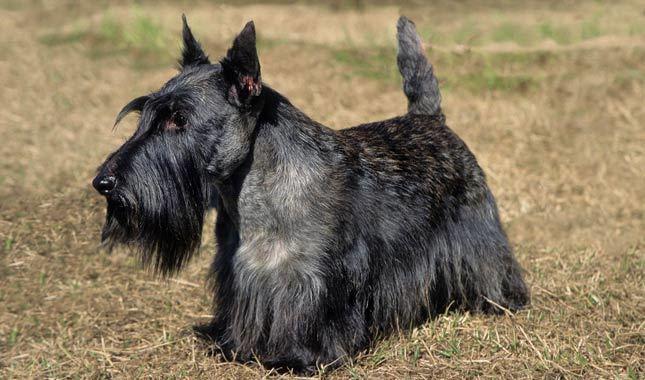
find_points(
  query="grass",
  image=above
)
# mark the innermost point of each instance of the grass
(548, 99)
(497, 27)
(374, 64)
(487, 72)
(559, 34)
(467, 34)
(138, 36)
(511, 31)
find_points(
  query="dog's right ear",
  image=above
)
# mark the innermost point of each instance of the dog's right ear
(191, 53)
(242, 67)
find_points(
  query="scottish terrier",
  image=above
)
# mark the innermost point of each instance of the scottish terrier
(326, 239)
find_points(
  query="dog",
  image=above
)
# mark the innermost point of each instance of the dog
(326, 240)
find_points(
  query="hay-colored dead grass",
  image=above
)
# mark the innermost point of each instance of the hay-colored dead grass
(558, 127)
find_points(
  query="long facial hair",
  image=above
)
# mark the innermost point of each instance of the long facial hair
(159, 210)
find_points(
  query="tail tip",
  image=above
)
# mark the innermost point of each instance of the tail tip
(405, 26)
(403, 22)
(407, 35)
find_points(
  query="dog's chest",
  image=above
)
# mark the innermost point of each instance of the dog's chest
(280, 225)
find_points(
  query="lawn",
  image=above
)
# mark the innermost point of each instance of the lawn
(548, 95)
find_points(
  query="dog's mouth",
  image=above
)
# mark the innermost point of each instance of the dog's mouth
(115, 201)
(161, 225)
(120, 222)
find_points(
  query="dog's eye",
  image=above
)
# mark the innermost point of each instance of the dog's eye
(179, 119)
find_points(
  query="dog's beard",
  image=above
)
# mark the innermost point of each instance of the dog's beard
(161, 218)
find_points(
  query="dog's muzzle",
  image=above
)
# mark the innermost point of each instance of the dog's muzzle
(104, 184)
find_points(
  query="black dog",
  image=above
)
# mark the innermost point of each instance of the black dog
(326, 239)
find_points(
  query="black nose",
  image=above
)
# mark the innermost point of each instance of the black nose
(104, 184)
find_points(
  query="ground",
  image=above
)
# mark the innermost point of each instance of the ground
(549, 96)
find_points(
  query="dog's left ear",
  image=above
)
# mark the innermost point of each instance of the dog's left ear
(242, 67)
(191, 53)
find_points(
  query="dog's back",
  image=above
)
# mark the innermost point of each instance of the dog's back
(414, 156)
(422, 209)
(425, 213)
(418, 146)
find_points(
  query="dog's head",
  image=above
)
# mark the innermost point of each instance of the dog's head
(196, 130)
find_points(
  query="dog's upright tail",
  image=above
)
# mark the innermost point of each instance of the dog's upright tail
(419, 83)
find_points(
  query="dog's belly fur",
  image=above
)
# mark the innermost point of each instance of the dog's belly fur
(409, 229)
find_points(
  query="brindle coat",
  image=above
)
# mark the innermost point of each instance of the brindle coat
(326, 239)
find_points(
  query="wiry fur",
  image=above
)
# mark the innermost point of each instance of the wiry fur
(326, 239)
(419, 83)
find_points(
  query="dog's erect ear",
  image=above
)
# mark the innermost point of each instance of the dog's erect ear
(191, 53)
(242, 67)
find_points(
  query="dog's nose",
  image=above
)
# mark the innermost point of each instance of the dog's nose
(104, 184)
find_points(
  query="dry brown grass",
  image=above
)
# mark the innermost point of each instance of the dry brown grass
(548, 95)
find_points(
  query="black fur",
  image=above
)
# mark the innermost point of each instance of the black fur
(192, 53)
(326, 239)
